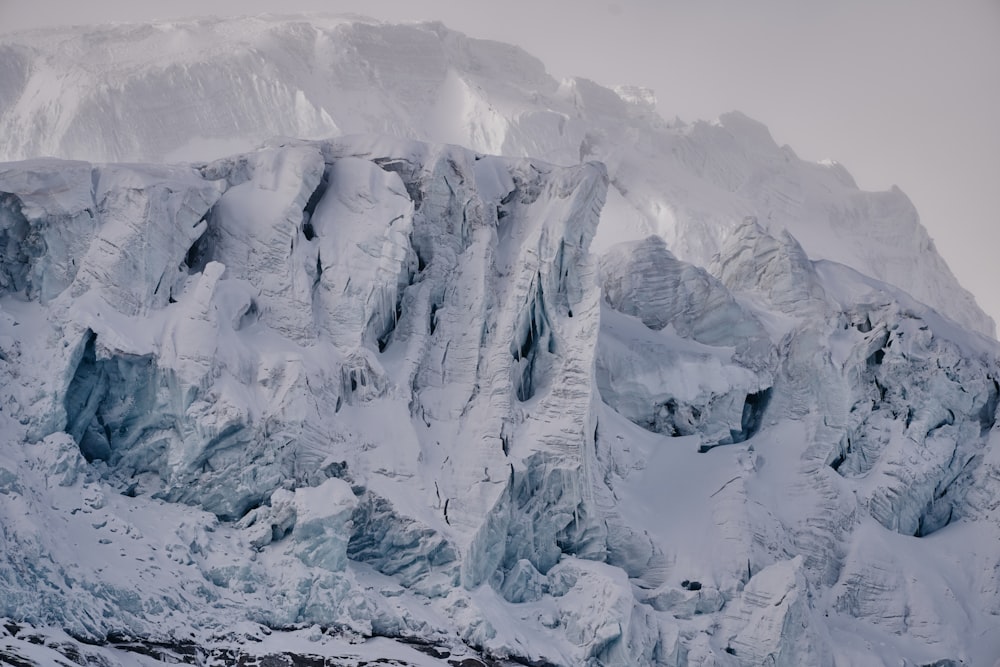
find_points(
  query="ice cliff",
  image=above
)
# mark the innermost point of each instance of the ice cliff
(383, 387)
(289, 403)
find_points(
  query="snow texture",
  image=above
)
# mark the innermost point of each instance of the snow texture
(206, 88)
(336, 391)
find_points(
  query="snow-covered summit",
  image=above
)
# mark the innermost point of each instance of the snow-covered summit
(205, 88)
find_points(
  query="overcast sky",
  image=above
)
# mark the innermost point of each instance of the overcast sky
(903, 92)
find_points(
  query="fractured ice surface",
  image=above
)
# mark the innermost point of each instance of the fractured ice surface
(385, 388)
(701, 364)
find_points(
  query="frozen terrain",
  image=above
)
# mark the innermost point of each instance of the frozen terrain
(371, 398)
(204, 89)
(382, 387)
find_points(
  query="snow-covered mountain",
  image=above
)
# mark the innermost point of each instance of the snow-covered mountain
(279, 403)
(204, 89)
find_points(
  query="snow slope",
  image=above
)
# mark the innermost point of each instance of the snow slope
(205, 88)
(370, 387)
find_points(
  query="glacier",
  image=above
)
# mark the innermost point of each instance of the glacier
(383, 387)
(372, 397)
(206, 88)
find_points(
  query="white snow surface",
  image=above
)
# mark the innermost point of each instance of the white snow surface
(370, 387)
(206, 88)
(326, 397)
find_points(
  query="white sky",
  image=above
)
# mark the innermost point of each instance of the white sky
(903, 92)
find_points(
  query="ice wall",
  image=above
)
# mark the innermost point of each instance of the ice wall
(364, 354)
(384, 388)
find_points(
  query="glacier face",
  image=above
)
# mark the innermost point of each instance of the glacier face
(659, 405)
(383, 387)
(138, 93)
(355, 368)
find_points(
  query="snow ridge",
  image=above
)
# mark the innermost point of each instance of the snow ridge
(137, 93)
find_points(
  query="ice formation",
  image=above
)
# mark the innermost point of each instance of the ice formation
(138, 93)
(329, 391)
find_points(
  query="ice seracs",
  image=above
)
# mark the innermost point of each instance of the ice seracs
(412, 326)
(373, 387)
(383, 386)
(700, 362)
